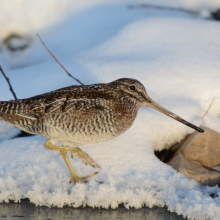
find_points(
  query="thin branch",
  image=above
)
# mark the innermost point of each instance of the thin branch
(209, 107)
(8, 81)
(58, 61)
(164, 8)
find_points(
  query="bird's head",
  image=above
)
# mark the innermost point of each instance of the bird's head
(135, 92)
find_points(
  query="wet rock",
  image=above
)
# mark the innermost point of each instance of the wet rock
(16, 42)
(198, 156)
(216, 15)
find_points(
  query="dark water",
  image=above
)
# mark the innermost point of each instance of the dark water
(25, 210)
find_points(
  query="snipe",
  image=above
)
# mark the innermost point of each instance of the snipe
(78, 115)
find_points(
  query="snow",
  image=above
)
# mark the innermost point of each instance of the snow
(176, 57)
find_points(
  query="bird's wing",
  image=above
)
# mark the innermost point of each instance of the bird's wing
(80, 107)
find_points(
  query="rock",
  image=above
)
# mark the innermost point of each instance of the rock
(216, 15)
(198, 156)
(15, 42)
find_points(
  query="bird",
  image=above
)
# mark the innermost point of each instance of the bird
(82, 114)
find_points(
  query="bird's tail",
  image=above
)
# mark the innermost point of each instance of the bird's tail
(7, 109)
(2, 110)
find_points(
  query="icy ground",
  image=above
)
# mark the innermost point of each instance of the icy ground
(174, 54)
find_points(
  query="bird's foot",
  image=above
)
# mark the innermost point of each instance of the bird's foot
(76, 179)
(85, 158)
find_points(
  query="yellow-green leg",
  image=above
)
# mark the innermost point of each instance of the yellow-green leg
(85, 158)
(74, 177)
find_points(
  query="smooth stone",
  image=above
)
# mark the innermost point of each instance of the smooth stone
(198, 156)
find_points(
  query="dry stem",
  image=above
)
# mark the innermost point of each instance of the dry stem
(209, 107)
(164, 8)
(58, 61)
(8, 81)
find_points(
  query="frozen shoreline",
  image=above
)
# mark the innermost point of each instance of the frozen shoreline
(27, 210)
(176, 57)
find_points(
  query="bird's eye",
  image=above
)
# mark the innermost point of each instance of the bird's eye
(132, 87)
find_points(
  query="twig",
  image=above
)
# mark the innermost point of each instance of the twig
(209, 107)
(8, 81)
(58, 61)
(164, 8)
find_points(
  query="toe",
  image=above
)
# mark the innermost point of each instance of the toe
(77, 179)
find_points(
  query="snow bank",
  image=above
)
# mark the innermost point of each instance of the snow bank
(174, 55)
(179, 70)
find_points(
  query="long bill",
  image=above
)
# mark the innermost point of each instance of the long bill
(159, 108)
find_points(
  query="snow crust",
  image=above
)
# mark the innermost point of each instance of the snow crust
(176, 57)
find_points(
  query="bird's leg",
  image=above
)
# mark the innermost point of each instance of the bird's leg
(84, 157)
(74, 177)
(81, 154)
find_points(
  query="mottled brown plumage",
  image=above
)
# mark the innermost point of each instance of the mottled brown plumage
(81, 115)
